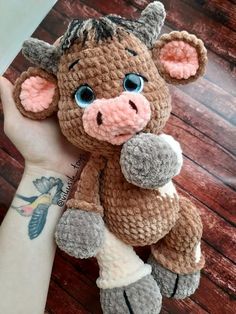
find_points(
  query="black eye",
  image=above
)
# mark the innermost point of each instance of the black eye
(133, 83)
(84, 96)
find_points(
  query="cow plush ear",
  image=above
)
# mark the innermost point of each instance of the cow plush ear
(36, 94)
(180, 57)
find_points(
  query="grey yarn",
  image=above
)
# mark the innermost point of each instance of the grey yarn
(171, 286)
(152, 19)
(41, 54)
(140, 297)
(80, 233)
(148, 161)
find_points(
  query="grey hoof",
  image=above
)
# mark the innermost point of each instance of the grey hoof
(148, 161)
(80, 233)
(140, 297)
(174, 285)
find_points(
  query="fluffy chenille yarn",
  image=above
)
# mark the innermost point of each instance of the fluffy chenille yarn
(125, 196)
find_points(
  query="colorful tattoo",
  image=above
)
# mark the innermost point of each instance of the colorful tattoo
(37, 206)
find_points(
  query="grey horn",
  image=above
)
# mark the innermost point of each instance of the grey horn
(42, 54)
(151, 21)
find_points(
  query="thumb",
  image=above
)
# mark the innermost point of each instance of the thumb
(8, 104)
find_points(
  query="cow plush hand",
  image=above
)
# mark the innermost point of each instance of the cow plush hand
(150, 161)
(80, 233)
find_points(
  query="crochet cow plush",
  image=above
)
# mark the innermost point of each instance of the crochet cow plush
(106, 79)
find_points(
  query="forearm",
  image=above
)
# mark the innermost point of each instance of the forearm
(27, 248)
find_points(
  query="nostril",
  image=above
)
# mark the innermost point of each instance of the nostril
(133, 106)
(99, 118)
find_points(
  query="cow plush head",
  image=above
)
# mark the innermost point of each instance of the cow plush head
(107, 77)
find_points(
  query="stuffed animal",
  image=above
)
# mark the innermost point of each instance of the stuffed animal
(106, 79)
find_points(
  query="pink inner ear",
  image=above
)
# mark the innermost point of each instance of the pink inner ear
(36, 94)
(179, 59)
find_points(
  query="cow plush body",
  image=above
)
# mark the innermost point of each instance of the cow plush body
(106, 79)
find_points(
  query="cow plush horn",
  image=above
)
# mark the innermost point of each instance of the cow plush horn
(151, 21)
(42, 54)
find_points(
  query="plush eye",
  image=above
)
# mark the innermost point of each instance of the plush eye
(133, 83)
(84, 96)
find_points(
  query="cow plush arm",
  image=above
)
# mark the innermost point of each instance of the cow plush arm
(80, 231)
(150, 161)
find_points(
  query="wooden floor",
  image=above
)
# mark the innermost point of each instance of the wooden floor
(203, 120)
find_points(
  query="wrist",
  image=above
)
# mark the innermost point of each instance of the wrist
(34, 172)
(70, 168)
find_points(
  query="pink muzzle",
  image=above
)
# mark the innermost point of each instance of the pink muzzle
(116, 120)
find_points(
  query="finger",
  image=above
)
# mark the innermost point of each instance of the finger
(57, 42)
(8, 104)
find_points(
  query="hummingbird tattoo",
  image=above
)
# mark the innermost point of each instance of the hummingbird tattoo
(36, 207)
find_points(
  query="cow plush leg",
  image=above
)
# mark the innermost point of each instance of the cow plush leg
(176, 259)
(125, 281)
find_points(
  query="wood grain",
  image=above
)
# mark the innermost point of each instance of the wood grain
(218, 301)
(203, 151)
(212, 223)
(203, 120)
(221, 11)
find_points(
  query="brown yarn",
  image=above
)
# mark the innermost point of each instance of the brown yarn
(188, 38)
(176, 251)
(137, 216)
(87, 195)
(103, 67)
(17, 91)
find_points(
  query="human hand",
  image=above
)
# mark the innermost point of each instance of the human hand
(41, 143)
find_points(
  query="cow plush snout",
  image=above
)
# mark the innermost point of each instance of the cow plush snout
(116, 120)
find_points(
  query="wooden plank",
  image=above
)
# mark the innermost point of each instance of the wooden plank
(217, 301)
(8, 147)
(203, 119)
(221, 11)
(214, 97)
(20, 63)
(212, 223)
(120, 7)
(56, 23)
(185, 306)
(163, 310)
(11, 74)
(221, 72)
(76, 284)
(85, 266)
(3, 211)
(76, 9)
(199, 148)
(220, 270)
(59, 302)
(10, 169)
(7, 192)
(208, 190)
(43, 34)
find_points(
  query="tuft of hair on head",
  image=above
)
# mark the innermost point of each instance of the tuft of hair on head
(98, 29)
(146, 28)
